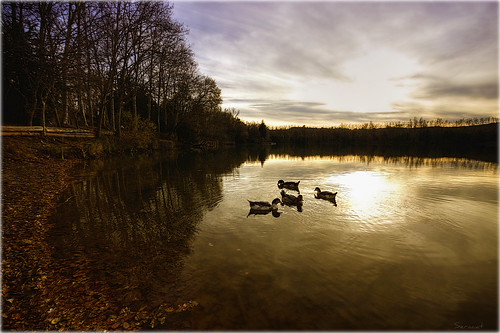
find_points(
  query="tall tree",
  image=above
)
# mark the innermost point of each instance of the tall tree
(87, 62)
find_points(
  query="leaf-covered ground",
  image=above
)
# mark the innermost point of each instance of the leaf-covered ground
(38, 291)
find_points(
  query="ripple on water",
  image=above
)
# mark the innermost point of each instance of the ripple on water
(395, 245)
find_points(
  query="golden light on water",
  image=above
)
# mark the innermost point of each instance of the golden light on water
(363, 191)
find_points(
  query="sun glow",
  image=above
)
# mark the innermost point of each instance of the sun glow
(364, 190)
(371, 84)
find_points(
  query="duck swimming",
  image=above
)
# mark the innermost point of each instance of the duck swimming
(264, 206)
(291, 200)
(288, 185)
(324, 194)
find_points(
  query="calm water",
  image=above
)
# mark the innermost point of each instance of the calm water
(412, 243)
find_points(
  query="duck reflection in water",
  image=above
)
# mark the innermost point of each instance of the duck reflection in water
(259, 212)
(325, 195)
(288, 185)
(292, 200)
(264, 207)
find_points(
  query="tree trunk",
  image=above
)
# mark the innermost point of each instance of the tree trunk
(91, 109)
(31, 112)
(112, 111)
(101, 118)
(58, 120)
(149, 106)
(158, 118)
(44, 103)
(65, 107)
(81, 108)
(119, 125)
(134, 105)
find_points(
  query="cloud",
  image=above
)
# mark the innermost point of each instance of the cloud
(288, 39)
(443, 88)
(436, 87)
(447, 108)
(320, 62)
(289, 112)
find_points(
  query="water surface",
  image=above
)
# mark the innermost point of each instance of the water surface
(410, 243)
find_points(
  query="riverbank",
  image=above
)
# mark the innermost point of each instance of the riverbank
(39, 292)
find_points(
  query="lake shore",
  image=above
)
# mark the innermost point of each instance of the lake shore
(39, 292)
(44, 293)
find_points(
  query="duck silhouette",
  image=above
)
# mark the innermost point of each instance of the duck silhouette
(325, 195)
(288, 185)
(290, 199)
(264, 206)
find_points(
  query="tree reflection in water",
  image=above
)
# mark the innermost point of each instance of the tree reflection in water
(135, 220)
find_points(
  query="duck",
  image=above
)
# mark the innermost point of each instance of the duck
(324, 194)
(274, 213)
(264, 206)
(291, 200)
(288, 185)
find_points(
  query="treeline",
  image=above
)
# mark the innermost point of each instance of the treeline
(415, 123)
(118, 66)
(483, 138)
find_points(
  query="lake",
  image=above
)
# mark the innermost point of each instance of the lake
(409, 243)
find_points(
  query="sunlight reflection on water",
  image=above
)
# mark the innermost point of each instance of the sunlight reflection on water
(366, 193)
(410, 244)
(389, 217)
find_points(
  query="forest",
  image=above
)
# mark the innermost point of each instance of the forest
(457, 139)
(114, 66)
(126, 68)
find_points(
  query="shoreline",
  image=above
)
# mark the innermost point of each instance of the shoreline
(39, 292)
(30, 186)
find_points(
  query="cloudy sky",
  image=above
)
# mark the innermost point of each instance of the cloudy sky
(326, 63)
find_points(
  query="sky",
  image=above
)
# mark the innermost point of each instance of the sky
(329, 63)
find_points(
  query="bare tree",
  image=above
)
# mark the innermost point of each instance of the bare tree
(86, 63)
